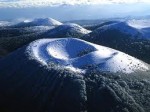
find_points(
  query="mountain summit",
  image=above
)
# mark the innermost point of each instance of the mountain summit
(39, 22)
(77, 55)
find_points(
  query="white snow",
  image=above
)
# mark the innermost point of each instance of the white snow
(70, 28)
(139, 24)
(142, 25)
(43, 22)
(76, 27)
(77, 55)
(122, 27)
(73, 28)
(5, 23)
(134, 28)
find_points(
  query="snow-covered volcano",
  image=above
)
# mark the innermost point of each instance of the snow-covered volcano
(135, 29)
(19, 36)
(78, 55)
(123, 37)
(39, 22)
(35, 78)
(122, 27)
(69, 29)
(46, 21)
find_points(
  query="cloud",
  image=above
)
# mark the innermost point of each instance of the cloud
(41, 3)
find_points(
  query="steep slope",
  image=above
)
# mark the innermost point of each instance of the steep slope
(41, 77)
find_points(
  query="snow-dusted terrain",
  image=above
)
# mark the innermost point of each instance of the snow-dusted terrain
(142, 25)
(75, 27)
(66, 74)
(46, 21)
(122, 27)
(69, 28)
(37, 29)
(55, 73)
(133, 28)
(16, 36)
(77, 55)
(4, 23)
(129, 36)
(39, 22)
(139, 24)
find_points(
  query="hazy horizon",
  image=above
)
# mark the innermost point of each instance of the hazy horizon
(14, 9)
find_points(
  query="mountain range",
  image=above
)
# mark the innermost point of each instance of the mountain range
(51, 66)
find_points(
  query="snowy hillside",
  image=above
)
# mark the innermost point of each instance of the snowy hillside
(142, 25)
(56, 75)
(46, 22)
(123, 37)
(12, 38)
(69, 29)
(39, 22)
(76, 54)
(122, 27)
(136, 29)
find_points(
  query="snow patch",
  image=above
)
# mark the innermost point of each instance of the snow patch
(5, 23)
(139, 24)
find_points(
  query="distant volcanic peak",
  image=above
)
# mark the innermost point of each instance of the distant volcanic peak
(77, 55)
(75, 27)
(40, 22)
(120, 26)
(68, 29)
(72, 27)
(46, 21)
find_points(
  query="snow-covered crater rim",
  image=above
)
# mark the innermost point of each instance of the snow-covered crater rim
(78, 55)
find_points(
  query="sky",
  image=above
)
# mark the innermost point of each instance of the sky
(42, 3)
(72, 9)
